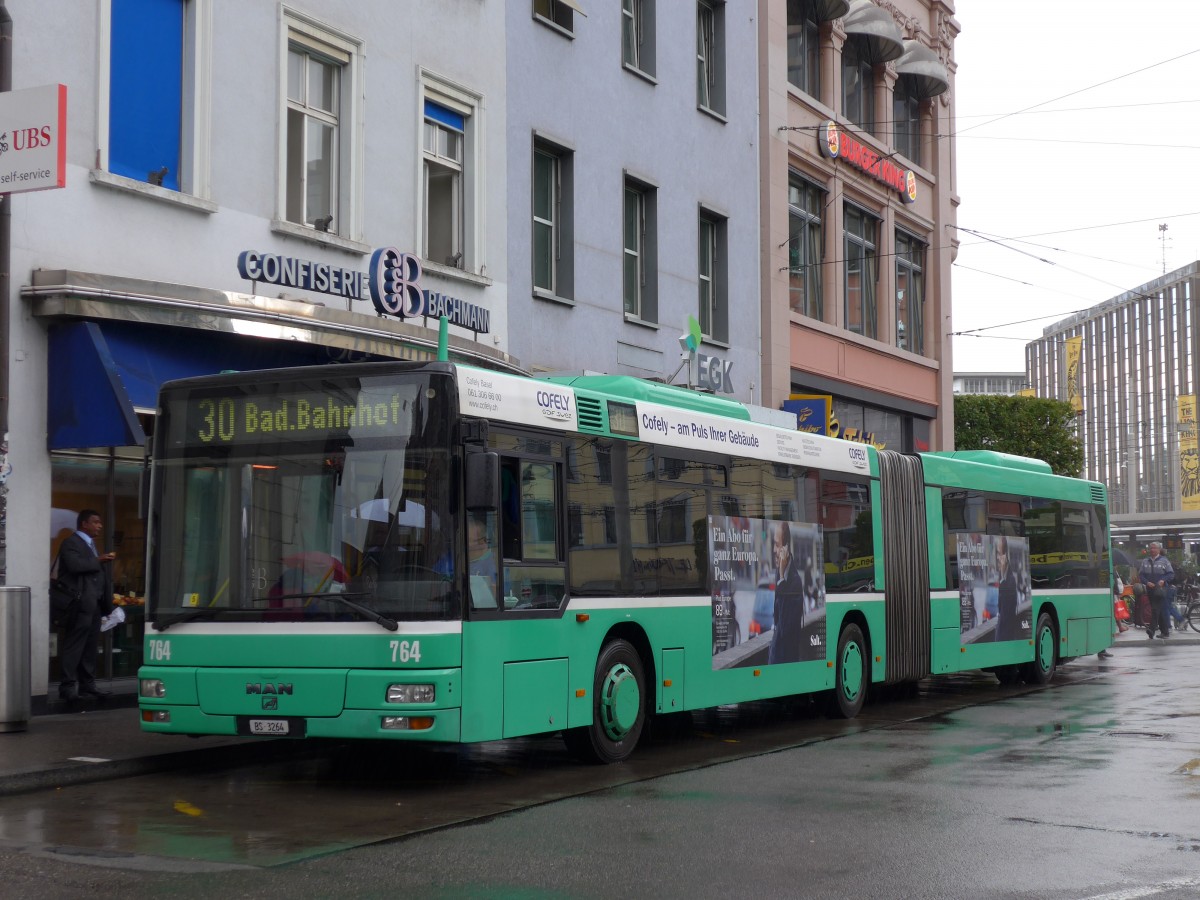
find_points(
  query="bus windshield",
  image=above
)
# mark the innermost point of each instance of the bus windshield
(326, 500)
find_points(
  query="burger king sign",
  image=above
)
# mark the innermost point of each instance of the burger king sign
(836, 144)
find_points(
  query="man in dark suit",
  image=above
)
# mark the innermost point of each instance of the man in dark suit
(1009, 627)
(82, 565)
(789, 600)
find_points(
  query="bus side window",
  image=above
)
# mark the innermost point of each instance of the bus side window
(510, 507)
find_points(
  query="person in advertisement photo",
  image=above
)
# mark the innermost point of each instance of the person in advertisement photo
(1011, 555)
(994, 588)
(770, 574)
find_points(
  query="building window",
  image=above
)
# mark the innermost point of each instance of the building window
(859, 252)
(552, 219)
(312, 138)
(155, 85)
(449, 167)
(637, 35)
(804, 47)
(639, 286)
(318, 187)
(906, 119)
(710, 56)
(858, 85)
(712, 276)
(559, 13)
(806, 203)
(910, 293)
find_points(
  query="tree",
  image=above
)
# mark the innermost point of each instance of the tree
(1024, 426)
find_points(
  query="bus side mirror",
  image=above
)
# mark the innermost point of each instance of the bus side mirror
(144, 480)
(483, 480)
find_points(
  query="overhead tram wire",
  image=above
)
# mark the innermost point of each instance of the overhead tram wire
(1079, 91)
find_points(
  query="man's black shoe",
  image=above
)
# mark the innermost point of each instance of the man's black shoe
(93, 691)
(69, 694)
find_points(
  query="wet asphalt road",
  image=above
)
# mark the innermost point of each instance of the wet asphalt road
(1090, 788)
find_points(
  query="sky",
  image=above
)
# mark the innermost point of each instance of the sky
(1078, 130)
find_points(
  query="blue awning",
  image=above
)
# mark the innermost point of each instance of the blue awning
(102, 373)
(88, 406)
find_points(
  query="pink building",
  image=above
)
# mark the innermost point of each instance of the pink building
(858, 208)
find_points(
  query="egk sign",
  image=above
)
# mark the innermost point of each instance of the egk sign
(837, 144)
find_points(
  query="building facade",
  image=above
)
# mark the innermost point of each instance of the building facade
(1006, 384)
(1125, 364)
(633, 189)
(858, 207)
(231, 170)
(699, 193)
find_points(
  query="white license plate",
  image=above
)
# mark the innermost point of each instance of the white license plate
(268, 726)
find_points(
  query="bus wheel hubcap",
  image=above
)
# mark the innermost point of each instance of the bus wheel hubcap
(620, 700)
(852, 671)
(1045, 649)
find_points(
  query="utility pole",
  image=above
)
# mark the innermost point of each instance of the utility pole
(6, 43)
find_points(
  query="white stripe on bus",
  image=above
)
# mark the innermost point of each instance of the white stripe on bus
(225, 628)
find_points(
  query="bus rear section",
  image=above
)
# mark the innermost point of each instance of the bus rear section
(303, 554)
(1019, 564)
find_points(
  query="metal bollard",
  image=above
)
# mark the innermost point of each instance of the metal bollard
(14, 658)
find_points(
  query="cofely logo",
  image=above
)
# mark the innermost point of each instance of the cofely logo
(858, 457)
(554, 405)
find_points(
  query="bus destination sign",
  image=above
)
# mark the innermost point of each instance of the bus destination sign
(235, 418)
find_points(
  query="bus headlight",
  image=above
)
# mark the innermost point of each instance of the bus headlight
(411, 693)
(407, 723)
(152, 687)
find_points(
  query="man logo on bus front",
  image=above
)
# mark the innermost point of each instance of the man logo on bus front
(270, 703)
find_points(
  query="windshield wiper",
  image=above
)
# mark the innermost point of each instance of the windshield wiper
(164, 624)
(342, 598)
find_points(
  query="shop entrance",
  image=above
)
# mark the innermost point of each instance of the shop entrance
(106, 479)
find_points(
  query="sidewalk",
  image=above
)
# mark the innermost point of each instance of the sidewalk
(95, 740)
(99, 740)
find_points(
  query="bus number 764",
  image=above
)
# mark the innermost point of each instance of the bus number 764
(403, 651)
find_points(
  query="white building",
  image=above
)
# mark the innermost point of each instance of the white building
(308, 133)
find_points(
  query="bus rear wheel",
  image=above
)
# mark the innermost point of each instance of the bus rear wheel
(850, 681)
(618, 707)
(1045, 652)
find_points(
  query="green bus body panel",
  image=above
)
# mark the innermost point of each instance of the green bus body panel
(535, 696)
(947, 471)
(670, 669)
(995, 458)
(937, 540)
(525, 677)
(240, 692)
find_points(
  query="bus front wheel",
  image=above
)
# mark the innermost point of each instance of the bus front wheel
(850, 668)
(618, 707)
(1045, 652)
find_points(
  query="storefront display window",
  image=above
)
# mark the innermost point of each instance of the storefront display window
(107, 480)
(886, 429)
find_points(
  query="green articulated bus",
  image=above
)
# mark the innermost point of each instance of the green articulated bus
(435, 552)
